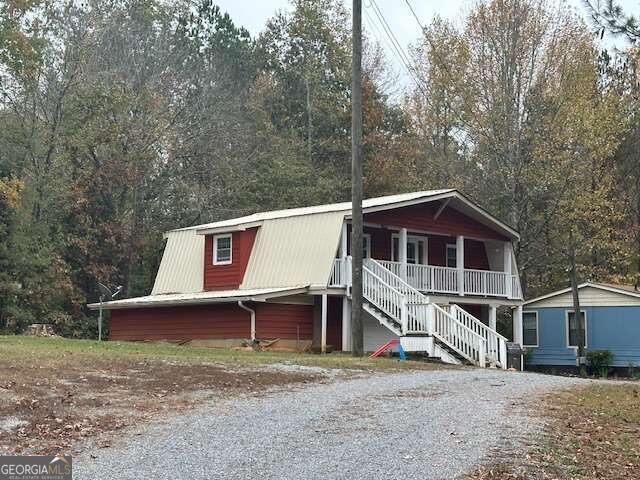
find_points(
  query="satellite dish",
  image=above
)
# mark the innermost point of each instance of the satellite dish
(104, 290)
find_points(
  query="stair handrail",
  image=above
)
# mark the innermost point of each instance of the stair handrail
(400, 307)
(414, 297)
(414, 308)
(474, 347)
(413, 294)
(496, 343)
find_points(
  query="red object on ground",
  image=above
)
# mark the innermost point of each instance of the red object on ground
(383, 348)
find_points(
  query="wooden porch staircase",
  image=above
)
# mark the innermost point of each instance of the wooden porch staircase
(450, 333)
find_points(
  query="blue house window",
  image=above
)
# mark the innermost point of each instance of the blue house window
(572, 328)
(530, 329)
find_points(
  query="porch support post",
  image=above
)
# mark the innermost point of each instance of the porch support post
(323, 334)
(517, 324)
(346, 324)
(402, 252)
(508, 268)
(460, 263)
(493, 310)
(342, 251)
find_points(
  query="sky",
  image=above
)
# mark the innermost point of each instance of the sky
(253, 14)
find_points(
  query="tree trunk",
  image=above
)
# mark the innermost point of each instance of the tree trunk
(576, 311)
(309, 120)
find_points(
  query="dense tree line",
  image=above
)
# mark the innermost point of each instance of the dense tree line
(122, 119)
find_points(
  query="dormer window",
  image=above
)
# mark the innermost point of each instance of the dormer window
(222, 249)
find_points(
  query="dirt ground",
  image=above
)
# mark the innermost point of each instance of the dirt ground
(592, 432)
(48, 405)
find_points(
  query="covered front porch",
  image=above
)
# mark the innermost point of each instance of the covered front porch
(436, 263)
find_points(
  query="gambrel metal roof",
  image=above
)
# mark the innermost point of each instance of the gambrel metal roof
(293, 246)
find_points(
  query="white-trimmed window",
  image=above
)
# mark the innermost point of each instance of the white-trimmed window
(572, 328)
(452, 255)
(530, 329)
(222, 247)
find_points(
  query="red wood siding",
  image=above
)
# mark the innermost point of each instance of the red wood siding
(228, 277)
(334, 322)
(420, 217)
(219, 321)
(475, 254)
(475, 310)
(380, 242)
(437, 249)
(278, 320)
(180, 323)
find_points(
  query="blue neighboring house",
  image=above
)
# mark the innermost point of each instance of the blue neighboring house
(612, 316)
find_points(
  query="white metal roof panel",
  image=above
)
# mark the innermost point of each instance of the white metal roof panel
(220, 296)
(294, 251)
(181, 268)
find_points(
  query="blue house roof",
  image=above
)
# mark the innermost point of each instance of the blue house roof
(591, 294)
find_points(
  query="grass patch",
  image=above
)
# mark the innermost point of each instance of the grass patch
(34, 349)
(593, 432)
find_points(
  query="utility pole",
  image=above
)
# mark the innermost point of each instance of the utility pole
(356, 181)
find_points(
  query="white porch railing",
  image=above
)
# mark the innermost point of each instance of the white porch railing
(437, 279)
(496, 344)
(485, 282)
(426, 278)
(412, 311)
(516, 292)
(389, 277)
(341, 273)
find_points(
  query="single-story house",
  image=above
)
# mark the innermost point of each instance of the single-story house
(437, 266)
(610, 313)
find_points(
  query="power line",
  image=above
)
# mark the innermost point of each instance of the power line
(412, 71)
(396, 46)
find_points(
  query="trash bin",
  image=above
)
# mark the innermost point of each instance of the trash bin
(514, 355)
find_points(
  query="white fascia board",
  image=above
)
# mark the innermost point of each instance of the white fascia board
(582, 285)
(234, 228)
(403, 203)
(452, 194)
(173, 302)
(612, 289)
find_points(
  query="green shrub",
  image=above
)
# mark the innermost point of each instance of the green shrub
(599, 361)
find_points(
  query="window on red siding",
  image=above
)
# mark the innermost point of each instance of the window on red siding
(222, 249)
(452, 256)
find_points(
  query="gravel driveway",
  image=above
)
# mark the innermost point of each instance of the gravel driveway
(425, 424)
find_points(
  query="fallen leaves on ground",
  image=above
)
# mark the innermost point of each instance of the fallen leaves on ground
(592, 432)
(57, 403)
